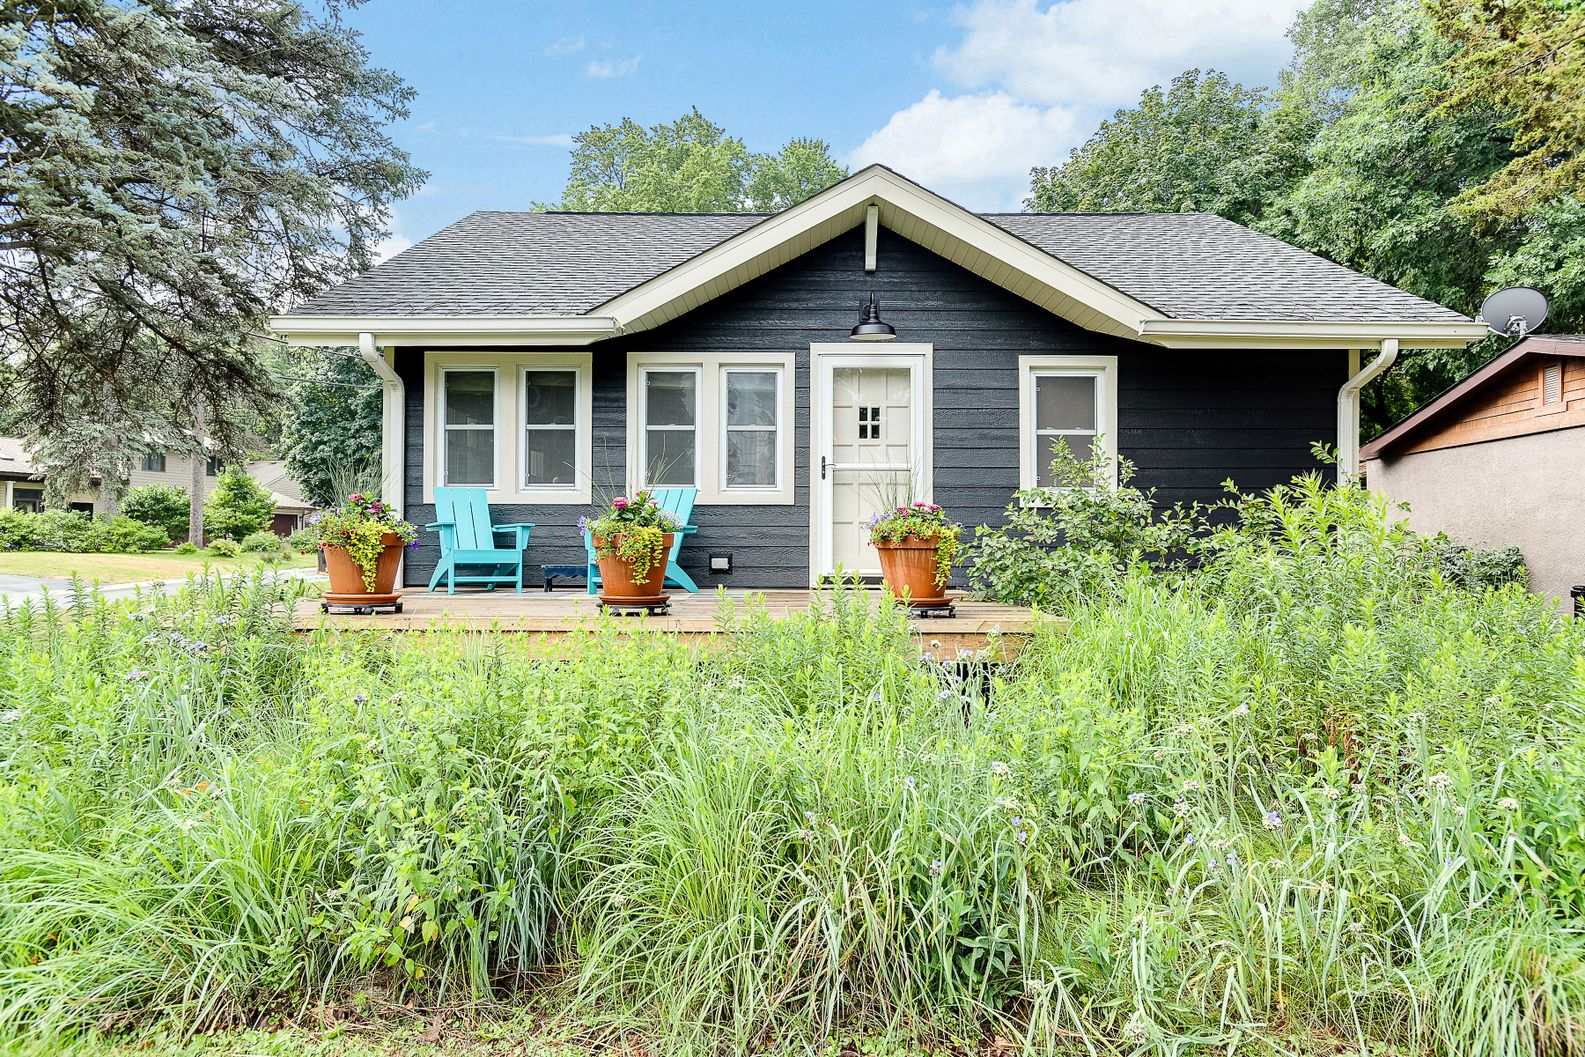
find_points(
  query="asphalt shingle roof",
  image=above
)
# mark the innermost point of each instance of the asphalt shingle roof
(1186, 265)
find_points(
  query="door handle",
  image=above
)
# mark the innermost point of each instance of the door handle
(822, 467)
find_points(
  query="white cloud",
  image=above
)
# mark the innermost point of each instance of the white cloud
(566, 46)
(975, 149)
(1037, 76)
(424, 128)
(611, 67)
(390, 246)
(556, 139)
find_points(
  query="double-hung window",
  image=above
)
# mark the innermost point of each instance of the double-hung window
(468, 433)
(751, 428)
(550, 429)
(716, 421)
(1067, 399)
(670, 416)
(154, 461)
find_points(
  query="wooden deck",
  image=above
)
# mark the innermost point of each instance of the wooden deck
(982, 628)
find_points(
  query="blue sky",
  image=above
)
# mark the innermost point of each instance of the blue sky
(963, 97)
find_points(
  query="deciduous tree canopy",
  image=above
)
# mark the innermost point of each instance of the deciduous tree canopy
(690, 165)
(1394, 143)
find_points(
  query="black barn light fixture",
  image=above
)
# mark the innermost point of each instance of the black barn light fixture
(871, 327)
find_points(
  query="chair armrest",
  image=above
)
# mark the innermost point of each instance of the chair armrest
(517, 525)
(685, 529)
(440, 525)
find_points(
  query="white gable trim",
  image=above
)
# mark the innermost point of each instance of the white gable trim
(909, 210)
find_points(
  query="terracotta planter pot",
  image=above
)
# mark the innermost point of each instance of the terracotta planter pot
(346, 579)
(908, 566)
(617, 585)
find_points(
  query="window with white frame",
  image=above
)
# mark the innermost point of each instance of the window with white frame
(551, 441)
(1068, 399)
(751, 428)
(718, 421)
(468, 434)
(669, 414)
(154, 461)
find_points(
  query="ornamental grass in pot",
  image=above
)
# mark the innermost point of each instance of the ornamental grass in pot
(917, 547)
(362, 541)
(632, 540)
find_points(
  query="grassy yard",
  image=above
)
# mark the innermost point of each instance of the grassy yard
(1310, 798)
(128, 568)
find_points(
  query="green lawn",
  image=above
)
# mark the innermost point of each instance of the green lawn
(129, 568)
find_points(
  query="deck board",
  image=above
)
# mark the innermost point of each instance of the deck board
(977, 626)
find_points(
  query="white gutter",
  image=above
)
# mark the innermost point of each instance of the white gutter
(393, 407)
(1348, 411)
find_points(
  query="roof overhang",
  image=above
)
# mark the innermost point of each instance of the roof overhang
(440, 331)
(917, 214)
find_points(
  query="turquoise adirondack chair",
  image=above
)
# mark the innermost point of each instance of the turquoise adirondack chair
(462, 517)
(678, 502)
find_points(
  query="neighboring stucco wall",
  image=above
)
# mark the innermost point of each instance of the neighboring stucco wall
(1525, 492)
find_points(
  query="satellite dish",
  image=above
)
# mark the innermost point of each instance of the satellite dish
(1514, 311)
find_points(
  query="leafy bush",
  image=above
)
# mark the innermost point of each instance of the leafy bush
(1475, 568)
(238, 507)
(1305, 789)
(187, 547)
(224, 548)
(1063, 545)
(266, 543)
(76, 532)
(304, 540)
(164, 506)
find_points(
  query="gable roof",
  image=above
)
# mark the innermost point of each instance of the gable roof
(1164, 277)
(1450, 400)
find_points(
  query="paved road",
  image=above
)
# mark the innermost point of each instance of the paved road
(14, 590)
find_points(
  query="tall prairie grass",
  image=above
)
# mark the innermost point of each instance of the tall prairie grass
(1309, 798)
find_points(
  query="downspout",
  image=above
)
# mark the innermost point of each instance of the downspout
(393, 410)
(1348, 411)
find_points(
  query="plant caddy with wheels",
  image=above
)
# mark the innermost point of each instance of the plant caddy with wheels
(632, 538)
(362, 540)
(917, 547)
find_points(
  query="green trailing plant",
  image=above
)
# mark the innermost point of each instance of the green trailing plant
(634, 530)
(924, 521)
(359, 527)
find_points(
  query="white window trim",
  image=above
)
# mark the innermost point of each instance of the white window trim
(699, 400)
(709, 466)
(509, 454)
(1102, 368)
(780, 428)
(582, 413)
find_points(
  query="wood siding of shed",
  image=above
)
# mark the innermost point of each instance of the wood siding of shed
(1188, 419)
(1508, 406)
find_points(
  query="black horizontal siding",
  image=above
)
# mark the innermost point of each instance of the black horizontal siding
(1187, 419)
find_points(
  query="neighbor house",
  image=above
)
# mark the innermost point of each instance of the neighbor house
(22, 483)
(1499, 460)
(556, 359)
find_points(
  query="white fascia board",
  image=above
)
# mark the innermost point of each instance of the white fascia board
(1237, 333)
(445, 331)
(635, 308)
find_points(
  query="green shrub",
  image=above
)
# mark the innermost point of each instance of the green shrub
(238, 507)
(303, 541)
(187, 547)
(124, 535)
(76, 532)
(164, 506)
(266, 543)
(224, 548)
(1477, 568)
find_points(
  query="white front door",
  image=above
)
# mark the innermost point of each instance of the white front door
(870, 450)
